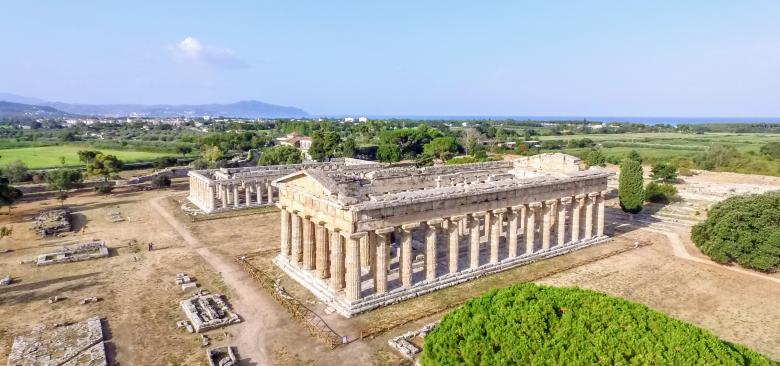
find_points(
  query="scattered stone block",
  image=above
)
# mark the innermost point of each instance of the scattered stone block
(7, 280)
(190, 285)
(89, 300)
(52, 222)
(54, 299)
(204, 340)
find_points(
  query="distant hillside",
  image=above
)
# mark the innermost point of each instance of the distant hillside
(243, 109)
(8, 109)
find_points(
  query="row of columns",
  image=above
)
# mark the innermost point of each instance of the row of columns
(331, 255)
(230, 194)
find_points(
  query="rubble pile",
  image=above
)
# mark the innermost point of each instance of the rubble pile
(52, 222)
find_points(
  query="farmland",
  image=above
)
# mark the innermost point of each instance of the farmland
(49, 156)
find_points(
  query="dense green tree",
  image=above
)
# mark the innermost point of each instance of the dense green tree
(348, 147)
(16, 171)
(317, 148)
(104, 165)
(634, 155)
(62, 180)
(423, 160)
(165, 162)
(717, 156)
(8, 193)
(86, 156)
(280, 155)
(213, 154)
(630, 189)
(529, 324)
(743, 229)
(442, 148)
(594, 157)
(183, 149)
(388, 153)
(663, 172)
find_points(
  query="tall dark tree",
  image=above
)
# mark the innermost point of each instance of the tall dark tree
(630, 189)
(8, 193)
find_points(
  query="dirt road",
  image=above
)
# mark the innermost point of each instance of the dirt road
(249, 302)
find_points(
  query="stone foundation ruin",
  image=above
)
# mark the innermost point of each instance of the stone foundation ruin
(78, 344)
(222, 356)
(82, 252)
(208, 311)
(52, 222)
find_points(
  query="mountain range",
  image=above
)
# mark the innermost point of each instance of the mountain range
(244, 109)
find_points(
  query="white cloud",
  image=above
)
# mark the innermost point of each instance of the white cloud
(192, 50)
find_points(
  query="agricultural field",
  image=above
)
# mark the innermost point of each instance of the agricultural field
(49, 156)
(679, 148)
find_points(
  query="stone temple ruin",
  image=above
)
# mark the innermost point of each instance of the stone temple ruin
(52, 222)
(208, 311)
(82, 252)
(363, 238)
(229, 189)
(79, 344)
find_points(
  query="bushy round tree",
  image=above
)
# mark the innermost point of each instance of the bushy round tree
(529, 324)
(743, 229)
(630, 189)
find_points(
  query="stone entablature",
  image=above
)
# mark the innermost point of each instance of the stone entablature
(227, 189)
(359, 240)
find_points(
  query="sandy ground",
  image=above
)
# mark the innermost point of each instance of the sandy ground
(140, 300)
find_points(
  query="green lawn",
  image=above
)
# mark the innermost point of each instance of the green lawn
(49, 156)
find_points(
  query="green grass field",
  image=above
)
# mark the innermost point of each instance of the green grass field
(49, 156)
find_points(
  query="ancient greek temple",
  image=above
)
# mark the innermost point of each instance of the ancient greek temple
(229, 189)
(369, 237)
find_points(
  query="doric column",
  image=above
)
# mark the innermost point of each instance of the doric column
(382, 259)
(365, 258)
(371, 239)
(453, 230)
(474, 239)
(579, 201)
(321, 242)
(563, 208)
(248, 194)
(352, 261)
(236, 200)
(258, 193)
(530, 226)
(270, 192)
(336, 260)
(430, 249)
(212, 198)
(285, 231)
(546, 223)
(496, 223)
(589, 215)
(600, 214)
(295, 236)
(406, 254)
(511, 236)
(223, 190)
(308, 242)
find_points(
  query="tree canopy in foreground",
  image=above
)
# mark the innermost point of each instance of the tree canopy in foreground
(529, 324)
(743, 229)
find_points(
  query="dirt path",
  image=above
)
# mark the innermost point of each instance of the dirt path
(249, 302)
(678, 248)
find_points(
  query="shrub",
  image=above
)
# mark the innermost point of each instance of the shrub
(660, 193)
(104, 187)
(16, 171)
(161, 181)
(594, 157)
(165, 162)
(630, 191)
(528, 324)
(280, 155)
(771, 149)
(743, 229)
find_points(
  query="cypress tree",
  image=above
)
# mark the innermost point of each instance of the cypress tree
(630, 190)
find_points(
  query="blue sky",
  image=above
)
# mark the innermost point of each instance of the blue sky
(619, 58)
